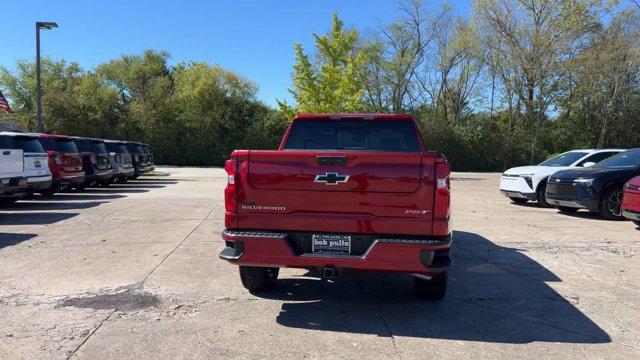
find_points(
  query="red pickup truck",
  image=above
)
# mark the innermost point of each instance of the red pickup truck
(341, 192)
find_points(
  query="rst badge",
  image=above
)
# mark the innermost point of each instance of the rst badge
(331, 178)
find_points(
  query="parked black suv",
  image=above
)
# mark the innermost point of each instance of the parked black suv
(147, 151)
(141, 157)
(95, 162)
(597, 188)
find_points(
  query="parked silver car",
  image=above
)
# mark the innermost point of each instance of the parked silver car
(120, 160)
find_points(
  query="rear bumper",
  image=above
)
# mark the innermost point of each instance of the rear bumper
(39, 182)
(99, 176)
(127, 171)
(631, 215)
(67, 181)
(146, 169)
(427, 256)
(13, 187)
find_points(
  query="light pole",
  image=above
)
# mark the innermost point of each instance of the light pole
(48, 26)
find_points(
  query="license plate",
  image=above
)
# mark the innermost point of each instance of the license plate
(331, 244)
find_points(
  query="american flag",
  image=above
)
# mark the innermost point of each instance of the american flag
(4, 104)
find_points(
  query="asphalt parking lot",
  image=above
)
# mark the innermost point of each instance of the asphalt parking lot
(132, 272)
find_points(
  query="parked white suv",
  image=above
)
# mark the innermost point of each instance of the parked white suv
(36, 160)
(529, 183)
(13, 184)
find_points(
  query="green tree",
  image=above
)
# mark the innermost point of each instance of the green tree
(20, 87)
(328, 80)
(537, 38)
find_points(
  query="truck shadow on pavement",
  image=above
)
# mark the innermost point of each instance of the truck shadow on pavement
(34, 218)
(10, 239)
(496, 294)
(53, 205)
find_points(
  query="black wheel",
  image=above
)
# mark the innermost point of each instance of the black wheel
(257, 279)
(8, 200)
(81, 187)
(433, 289)
(566, 209)
(540, 196)
(611, 203)
(637, 222)
(516, 200)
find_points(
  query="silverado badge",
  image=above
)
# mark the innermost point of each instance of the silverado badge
(331, 178)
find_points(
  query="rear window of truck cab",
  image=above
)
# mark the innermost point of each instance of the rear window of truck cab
(28, 144)
(59, 144)
(117, 148)
(98, 147)
(84, 145)
(134, 148)
(66, 145)
(353, 135)
(5, 142)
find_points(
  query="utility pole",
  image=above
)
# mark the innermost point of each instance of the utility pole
(48, 26)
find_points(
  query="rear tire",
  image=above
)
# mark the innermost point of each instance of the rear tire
(637, 222)
(8, 200)
(611, 203)
(433, 289)
(516, 200)
(81, 187)
(258, 279)
(566, 209)
(540, 196)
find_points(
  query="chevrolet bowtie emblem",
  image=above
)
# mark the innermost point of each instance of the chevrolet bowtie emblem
(331, 178)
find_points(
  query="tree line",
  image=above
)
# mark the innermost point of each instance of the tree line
(512, 83)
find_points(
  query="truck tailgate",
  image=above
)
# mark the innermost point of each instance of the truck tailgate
(11, 163)
(336, 191)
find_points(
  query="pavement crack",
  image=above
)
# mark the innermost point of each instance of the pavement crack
(73, 353)
(381, 317)
(178, 246)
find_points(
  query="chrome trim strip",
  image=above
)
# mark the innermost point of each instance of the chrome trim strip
(631, 215)
(254, 234)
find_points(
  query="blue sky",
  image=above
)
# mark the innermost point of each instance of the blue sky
(254, 38)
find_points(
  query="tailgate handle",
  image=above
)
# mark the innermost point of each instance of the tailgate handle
(332, 160)
(6, 153)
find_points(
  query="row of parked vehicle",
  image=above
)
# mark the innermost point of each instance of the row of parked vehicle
(603, 181)
(46, 163)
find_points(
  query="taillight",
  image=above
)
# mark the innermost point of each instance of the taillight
(118, 157)
(94, 159)
(136, 157)
(57, 159)
(443, 191)
(443, 170)
(230, 196)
